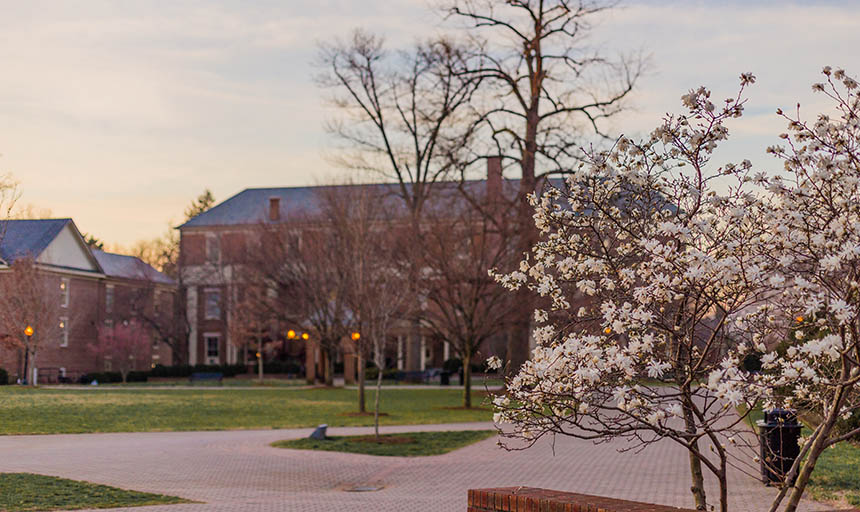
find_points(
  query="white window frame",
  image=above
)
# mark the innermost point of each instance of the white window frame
(206, 294)
(64, 332)
(110, 293)
(65, 283)
(212, 248)
(156, 301)
(217, 357)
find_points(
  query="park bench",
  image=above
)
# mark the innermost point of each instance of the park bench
(206, 376)
(417, 376)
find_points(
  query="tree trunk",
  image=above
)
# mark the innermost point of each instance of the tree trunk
(818, 447)
(696, 473)
(24, 376)
(698, 477)
(329, 367)
(362, 408)
(467, 380)
(124, 376)
(376, 401)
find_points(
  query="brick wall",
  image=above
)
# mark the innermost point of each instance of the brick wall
(530, 499)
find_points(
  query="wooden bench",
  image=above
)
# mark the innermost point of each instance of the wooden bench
(206, 376)
(417, 376)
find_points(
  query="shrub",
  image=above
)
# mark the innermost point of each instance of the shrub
(101, 377)
(280, 367)
(452, 365)
(184, 370)
(372, 373)
(137, 376)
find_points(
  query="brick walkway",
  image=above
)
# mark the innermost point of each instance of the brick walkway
(238, 471)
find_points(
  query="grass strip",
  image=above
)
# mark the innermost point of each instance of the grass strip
(65, 411)
(21, 492)
(408, 444)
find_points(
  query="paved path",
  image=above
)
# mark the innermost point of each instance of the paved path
(239, 471)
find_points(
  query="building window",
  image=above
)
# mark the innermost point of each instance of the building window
(109, 323)
(156, 302)
(212, 343)
(213, 249)
(109, 299)
(64, 292)
(64, 331)
(213, 304)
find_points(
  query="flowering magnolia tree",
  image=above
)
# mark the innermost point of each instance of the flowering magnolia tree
(125, 345)
(646, 257)
(665, 273)
(815, 252)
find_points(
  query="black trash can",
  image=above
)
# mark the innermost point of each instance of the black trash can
(779, 433)
(445, 379)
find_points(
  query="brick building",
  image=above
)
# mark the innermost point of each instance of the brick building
(95, 288)
(211, 256)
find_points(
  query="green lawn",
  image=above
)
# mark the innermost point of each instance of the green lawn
(240, 383)
(411, 444)
(27, 492)
(52, 411)
(837, 473)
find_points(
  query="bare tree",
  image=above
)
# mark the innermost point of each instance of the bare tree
(543, 89)
(30, 310)
(305, 267)
(251, 317)
(463, 304)
(371, 228)
(125, 345)
(400, 115)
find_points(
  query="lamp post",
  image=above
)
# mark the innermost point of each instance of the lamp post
(359, 370)
(293, 335)
(28, 332)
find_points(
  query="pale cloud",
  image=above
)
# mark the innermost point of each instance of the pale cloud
(118, 113)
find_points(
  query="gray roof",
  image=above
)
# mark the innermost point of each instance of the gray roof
(28, 238)
(251, 206)
(129, 267)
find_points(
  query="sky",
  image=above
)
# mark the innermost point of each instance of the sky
(117, 114)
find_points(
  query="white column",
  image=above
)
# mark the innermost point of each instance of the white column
(423, 354)
(191, 314)
(399, 352)
(446, 351)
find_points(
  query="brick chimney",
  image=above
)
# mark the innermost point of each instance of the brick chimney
(274, 208)
(494, 179)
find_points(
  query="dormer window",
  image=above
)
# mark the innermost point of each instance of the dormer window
(213, 249)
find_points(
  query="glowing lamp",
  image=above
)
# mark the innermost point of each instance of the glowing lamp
(608, 330)
(305, 336)
(291, 334)
(28, 330)
(356, 336)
